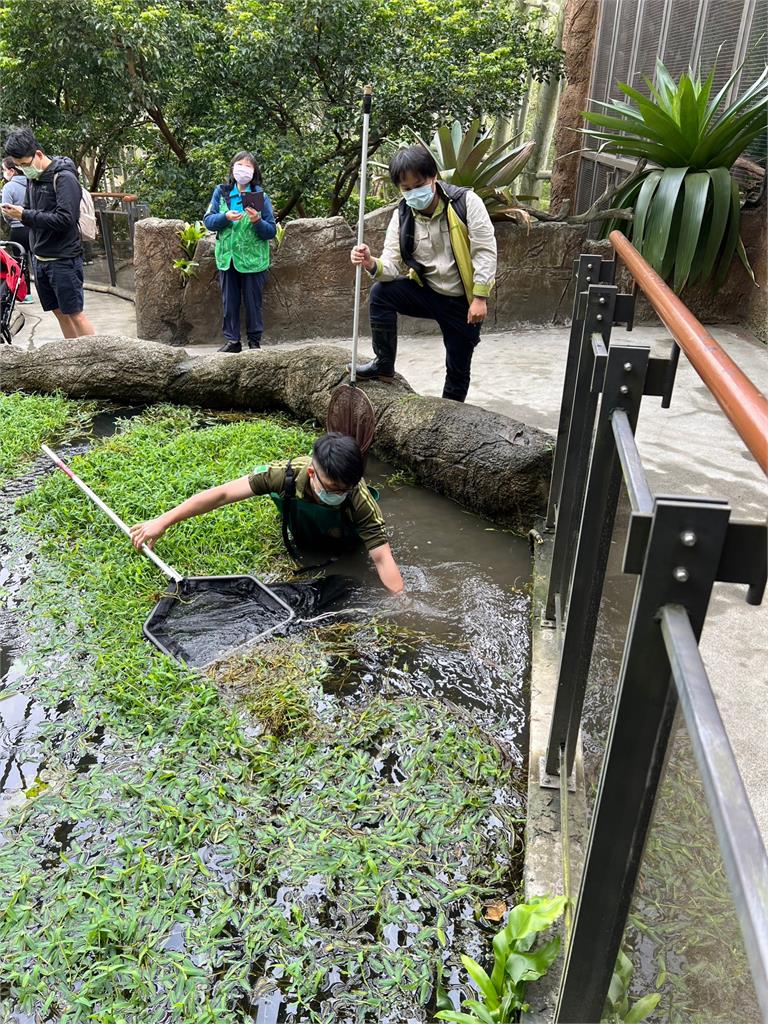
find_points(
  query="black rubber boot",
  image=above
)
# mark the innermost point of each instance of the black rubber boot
(231, 346)
(254, 342)
(384, 341)
(454, 393)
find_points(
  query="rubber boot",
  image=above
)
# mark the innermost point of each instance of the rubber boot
(231, 346)
(384, 341)
(454, 393)
(255, 342)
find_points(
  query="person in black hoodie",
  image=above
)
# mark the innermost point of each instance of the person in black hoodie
(52, 214)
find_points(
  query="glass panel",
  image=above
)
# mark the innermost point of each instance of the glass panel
(682, 937)
(613, 619)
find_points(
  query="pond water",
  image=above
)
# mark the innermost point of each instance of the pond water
(466, 629)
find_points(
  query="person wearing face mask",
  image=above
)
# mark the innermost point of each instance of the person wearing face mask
(243, 229)
(15, 194)
(331, 506)
(52, 214)
(438, 262)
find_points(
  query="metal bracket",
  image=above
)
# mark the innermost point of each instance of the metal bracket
(744, 558)
(547, 781)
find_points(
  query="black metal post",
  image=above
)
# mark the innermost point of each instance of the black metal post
(105, 224)
(598, 319)
(622, 394)
(681, 559)
(588, 269)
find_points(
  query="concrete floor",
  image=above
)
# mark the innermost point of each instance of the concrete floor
(689, 449)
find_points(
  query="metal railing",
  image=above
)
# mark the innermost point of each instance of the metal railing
(678, 547)
(109, 205)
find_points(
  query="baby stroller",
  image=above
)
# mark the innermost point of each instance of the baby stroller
(13, 287)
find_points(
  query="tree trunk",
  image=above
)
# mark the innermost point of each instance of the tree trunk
(487, 462)
(543, 127)
(579, 32)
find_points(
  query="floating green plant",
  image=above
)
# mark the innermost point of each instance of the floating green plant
(27, 420)
(187, 853)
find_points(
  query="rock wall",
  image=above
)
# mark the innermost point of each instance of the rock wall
(310, 291)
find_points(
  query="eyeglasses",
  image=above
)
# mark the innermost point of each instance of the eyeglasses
(324, 484)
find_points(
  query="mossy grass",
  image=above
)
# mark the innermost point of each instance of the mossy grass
(174, 862)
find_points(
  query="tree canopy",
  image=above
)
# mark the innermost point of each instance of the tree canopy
(171, 90)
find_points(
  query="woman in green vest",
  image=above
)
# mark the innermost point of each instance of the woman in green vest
(241, 215)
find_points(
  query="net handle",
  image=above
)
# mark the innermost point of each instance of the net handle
(145, 549)
(367, 92)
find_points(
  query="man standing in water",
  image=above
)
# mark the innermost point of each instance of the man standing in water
(324, 497)
(442, 238)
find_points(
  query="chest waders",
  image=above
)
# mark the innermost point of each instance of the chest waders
(308, 524)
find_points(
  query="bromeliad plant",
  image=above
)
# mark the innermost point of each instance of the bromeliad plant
(469, 158)
(516, 963)
(686, 208)
(189, 236)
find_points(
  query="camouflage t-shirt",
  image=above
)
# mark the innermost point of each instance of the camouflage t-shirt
(360, 507)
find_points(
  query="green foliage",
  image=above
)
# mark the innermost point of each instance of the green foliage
(189, 236)
(28, 420)
(143, 84)
(686, 212)
(200, 858)
(617, 1006)
(470, 158)
(516, 963)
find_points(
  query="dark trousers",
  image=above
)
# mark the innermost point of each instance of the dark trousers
(250, 287)
(388, 298)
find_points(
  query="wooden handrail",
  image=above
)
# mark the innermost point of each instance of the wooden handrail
(745, 405)
(125, 196)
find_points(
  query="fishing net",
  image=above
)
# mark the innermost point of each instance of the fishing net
(350, 412)
(206, 618)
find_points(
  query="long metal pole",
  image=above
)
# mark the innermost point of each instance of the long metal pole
(360, 219)
(161, 565)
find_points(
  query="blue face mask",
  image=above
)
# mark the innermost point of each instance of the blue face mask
(329, 498)
(419, 198)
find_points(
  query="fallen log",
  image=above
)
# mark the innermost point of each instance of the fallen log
(487, 462)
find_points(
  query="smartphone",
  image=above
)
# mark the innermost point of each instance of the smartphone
(254, 200)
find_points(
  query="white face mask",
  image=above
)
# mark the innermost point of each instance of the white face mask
(242, 173)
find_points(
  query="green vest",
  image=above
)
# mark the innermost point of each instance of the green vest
(239, 245)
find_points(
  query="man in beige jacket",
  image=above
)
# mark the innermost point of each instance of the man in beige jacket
(438, 262)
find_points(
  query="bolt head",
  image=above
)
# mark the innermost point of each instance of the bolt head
(599, 316)
(627, 367)
(589, 266)
(601, 300)
(688, 537)
(587, 279)
(624, 390)
(681, 574)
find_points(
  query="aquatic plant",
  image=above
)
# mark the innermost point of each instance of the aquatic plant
(172, 859)
(618, 1009)
(516, 963)
(27, 420)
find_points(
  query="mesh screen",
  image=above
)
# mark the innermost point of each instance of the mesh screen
(600, 86)
(720, 33)
(649, 33)
(681, 33)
